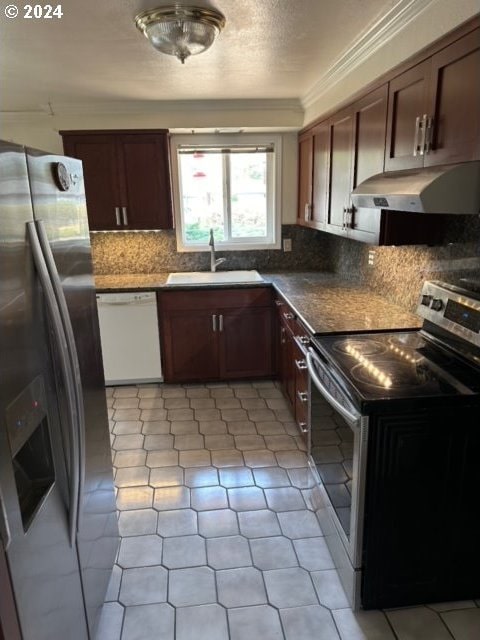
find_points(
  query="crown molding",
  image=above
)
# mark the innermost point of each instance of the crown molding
(151, 107)
(27, 117)
(384, 30)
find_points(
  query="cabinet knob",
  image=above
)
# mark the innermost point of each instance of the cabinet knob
(303, 426)
(288, 316)
(301, 364)
(302, 396)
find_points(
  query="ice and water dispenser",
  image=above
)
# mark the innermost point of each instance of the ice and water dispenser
(31, 448)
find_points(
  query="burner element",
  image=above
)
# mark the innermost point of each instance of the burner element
(366, 347)
(401, 376)
(405, 346)
(380, 378)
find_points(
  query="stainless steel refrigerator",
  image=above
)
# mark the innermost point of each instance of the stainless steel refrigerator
(58, 519)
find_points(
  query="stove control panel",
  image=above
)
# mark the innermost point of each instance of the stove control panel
(451, 308)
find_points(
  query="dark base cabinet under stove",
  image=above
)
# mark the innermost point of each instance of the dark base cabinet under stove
(422, 515)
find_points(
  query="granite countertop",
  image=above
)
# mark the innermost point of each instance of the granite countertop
(325, 302)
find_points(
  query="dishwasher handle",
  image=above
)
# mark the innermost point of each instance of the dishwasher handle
(122, 300)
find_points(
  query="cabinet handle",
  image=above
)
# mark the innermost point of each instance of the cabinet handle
(117, 216)
(279, 303)
(301, 364)
(302, 396)
(288, 316)
(214, 322)
(124, 216)
(416, 147)
(348, 217)
(303, 426)
(282, 336)
(220, 322)
(423, 142)
(428, 134)
(302, 340)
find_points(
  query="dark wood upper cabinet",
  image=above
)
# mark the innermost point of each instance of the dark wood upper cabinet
(407, 104)
(127, 178)
(321, 158)
(434, 109)
(341, 129)
(314, 149)
(454, 102)
(305, 174)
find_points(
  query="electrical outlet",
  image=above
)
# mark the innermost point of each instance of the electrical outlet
(371, 258)
(287, 244)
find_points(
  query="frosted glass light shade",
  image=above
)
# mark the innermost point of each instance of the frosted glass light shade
(180, 31)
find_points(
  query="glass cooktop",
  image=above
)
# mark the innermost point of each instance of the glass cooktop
(396, 366)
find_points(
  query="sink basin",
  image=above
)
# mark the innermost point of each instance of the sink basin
(217, 277)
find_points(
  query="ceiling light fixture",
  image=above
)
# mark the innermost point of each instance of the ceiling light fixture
(180, 31)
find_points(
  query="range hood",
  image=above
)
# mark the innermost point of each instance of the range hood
(453, 188)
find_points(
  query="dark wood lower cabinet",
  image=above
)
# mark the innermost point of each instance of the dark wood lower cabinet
(292, 366)
(222, 334)
(422, 522)
(246, 343)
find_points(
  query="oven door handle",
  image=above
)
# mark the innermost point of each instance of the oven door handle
(351, 416)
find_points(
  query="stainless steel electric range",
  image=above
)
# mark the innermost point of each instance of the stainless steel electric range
(394, 446)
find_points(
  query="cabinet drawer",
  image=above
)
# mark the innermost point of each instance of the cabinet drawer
(218, 298)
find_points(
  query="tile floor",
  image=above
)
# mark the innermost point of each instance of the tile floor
(218, 541)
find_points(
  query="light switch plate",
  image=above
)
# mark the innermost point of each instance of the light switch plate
(287, 244)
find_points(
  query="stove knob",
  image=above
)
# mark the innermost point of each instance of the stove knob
(426, 299)
(437, 304)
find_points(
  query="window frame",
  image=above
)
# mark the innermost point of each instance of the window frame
(274, 182)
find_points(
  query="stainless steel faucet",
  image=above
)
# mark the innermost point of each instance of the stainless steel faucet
(214, 263)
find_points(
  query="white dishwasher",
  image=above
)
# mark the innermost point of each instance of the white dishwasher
(130, 338)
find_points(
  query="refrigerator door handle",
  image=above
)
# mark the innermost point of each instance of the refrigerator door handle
(72, 351)
(5, 535)
(65, 365)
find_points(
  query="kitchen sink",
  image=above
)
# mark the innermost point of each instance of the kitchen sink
(213, 277)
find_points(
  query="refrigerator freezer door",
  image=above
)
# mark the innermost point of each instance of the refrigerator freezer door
(43, 566)
(61, 207)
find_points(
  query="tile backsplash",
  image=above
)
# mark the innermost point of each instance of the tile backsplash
(397, 273)
(155, 251)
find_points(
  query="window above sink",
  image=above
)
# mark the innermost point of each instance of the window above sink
(230, 183)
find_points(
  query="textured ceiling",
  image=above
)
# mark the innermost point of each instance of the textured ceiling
(269, 49)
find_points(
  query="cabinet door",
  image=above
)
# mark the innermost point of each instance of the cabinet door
(190, 344)
(454, 102)
(305, 166)
(321, 150)
(341, 158)
(419, 470)
(246, 336)
(146, 184)
(100, 170)
(370, 129)
(407, 102)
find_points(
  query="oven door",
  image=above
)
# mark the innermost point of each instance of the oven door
(338, 454)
